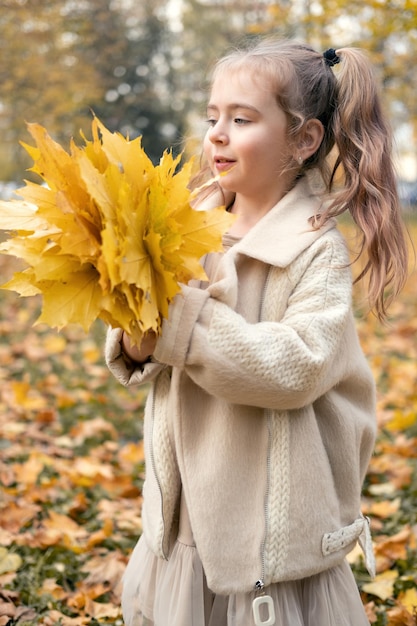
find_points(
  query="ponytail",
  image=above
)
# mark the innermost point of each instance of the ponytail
(364, 143)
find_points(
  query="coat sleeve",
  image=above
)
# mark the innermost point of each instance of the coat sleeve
(126, 371)
(285, 364)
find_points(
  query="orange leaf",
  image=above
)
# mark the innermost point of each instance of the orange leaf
(100, 535)
(370, 612)
(50, 587)
(399, 616)
(108, 568)
(56, 617)
(132, 453)
(15, 515)
(100, 610)
(395, 547)
(385, 508)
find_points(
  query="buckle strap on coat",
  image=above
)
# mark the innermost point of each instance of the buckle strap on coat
(343, 537)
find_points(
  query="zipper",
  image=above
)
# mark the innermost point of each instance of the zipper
(260, 584)
(158, 482)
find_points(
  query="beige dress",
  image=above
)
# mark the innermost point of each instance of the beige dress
(157, 592)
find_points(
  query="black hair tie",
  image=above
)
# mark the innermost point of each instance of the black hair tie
(331, 57)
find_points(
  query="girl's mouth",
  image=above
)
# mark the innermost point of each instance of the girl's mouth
(223, 165)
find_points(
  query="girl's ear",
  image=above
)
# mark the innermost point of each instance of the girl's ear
(309, 140)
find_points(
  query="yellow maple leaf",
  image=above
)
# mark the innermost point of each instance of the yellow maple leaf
(401, 420)
(20, 215)
(75, 298)
(107, 234)
(408, 599)
(9, 561)
(383, 585)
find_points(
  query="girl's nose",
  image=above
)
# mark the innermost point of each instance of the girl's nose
(218, 134)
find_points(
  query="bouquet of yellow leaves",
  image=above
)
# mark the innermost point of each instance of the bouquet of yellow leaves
(106, 234)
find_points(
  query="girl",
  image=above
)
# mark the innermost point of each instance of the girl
(260, 421)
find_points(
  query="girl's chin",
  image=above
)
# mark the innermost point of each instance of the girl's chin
(227, 183)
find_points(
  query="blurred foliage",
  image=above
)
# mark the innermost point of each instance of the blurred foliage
(142, 66)
(62, 60)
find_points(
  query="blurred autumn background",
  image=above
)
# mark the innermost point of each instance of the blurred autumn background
(71, 462)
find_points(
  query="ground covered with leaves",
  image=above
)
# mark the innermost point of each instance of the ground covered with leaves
(71, 470)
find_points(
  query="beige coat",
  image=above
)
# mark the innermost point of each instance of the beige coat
(262, 408)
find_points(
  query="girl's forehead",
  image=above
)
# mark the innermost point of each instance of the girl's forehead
(245, 77)
(241, 90)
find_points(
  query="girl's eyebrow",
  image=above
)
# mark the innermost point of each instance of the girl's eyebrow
(233, 107)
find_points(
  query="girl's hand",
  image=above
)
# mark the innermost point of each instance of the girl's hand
(141, 353)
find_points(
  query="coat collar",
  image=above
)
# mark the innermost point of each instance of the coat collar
(285, 231)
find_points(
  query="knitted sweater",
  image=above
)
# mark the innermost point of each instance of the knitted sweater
(262, 407)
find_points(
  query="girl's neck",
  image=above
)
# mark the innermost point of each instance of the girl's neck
(250, 210)
(248, 213)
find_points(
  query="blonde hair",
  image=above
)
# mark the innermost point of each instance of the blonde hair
(348, 105)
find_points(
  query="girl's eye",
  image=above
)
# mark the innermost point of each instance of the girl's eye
(240, 121)
(211, 121)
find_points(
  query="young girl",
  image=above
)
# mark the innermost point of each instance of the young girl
(260, 420)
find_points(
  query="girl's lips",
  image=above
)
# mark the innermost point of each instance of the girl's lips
(223, 165)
